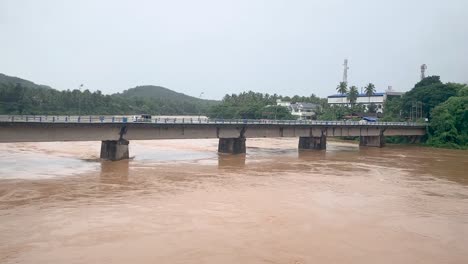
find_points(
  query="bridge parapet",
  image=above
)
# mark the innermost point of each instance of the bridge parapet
(188, 121)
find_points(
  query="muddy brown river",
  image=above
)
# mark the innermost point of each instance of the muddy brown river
(178, 201)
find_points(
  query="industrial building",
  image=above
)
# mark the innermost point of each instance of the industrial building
(377, 98)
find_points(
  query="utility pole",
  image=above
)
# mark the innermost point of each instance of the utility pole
(79, 99)
(276, 110)
(199, 108)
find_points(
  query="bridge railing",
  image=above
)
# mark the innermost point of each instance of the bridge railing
(191, 120)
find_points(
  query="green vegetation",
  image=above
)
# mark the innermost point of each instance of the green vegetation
(5, 79)
(369, 90)
(353, 95)
(150, 91)
(251, 105)
(430, 92)
(393, 109)
(22, 97)
(449, 122)
(445, 106)
(340, 112)
(342, 88)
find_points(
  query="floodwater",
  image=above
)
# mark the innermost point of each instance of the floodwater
(177, 201)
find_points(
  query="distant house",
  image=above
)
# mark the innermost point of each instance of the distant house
(377, 98)
(282, 103)
(300, 110)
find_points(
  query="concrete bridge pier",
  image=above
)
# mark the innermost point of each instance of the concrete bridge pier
(232, 145)
(114, 149)
(372, 141)
(317, 143)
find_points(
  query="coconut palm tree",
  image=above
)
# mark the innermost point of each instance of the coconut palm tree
(353, 95)
(369, 90)
(342, 88)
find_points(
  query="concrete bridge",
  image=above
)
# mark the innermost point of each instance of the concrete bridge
(116, 132)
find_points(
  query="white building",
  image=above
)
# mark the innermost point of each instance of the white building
(301, 111)
(282, 103)
(377, 98)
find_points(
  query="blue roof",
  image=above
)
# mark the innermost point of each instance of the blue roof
(359, 95)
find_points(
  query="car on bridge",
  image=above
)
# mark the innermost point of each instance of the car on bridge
(142, 118)
(367, 119)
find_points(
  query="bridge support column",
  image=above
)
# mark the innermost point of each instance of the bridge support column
(317, 143)
(372, 141)
(114, 149)
(231, 145)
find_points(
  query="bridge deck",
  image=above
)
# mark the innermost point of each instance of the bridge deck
(181, 120)
(64, 128)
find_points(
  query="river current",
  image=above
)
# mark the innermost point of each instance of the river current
(178, 201)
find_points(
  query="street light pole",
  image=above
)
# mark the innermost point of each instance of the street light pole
(79, 99)
(276, 110)
(199, 97)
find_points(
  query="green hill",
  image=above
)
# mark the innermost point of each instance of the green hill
(19, 96)
(159, 92)
(10, 80)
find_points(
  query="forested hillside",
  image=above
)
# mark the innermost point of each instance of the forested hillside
(5, 79)
(151, 91)
(18, 96)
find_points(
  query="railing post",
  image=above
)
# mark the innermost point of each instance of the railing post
(53, 119)
(90, 119)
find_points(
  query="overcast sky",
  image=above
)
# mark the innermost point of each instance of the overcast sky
(218, 47)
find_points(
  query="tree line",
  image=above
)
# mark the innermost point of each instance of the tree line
(443, 105)
(16, 98)
(252, 105)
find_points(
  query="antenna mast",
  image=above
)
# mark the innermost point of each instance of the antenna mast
(423, 71)
(345, 71)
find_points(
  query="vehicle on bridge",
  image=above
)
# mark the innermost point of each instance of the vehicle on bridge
(142, 118)
(366, 119)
